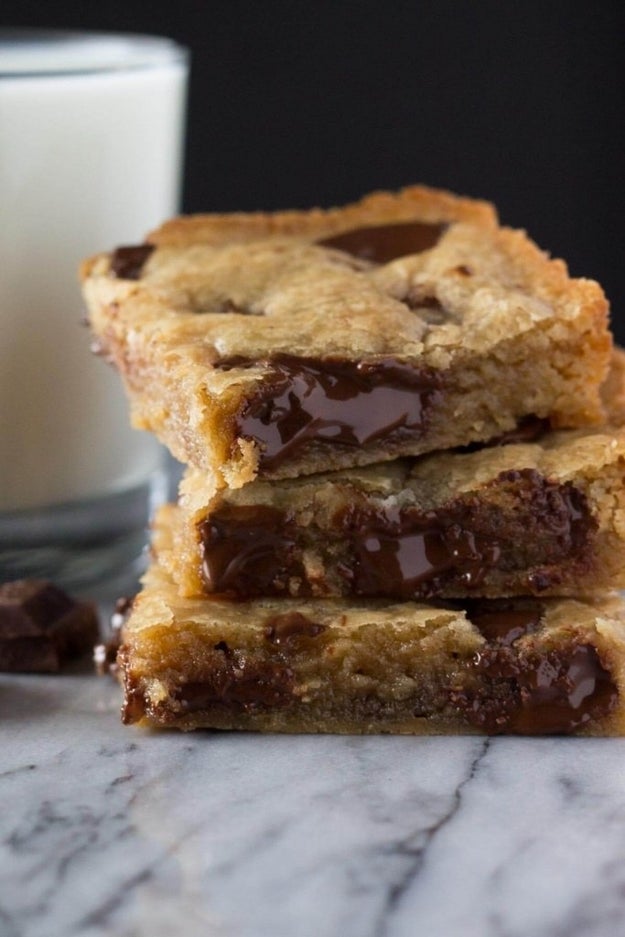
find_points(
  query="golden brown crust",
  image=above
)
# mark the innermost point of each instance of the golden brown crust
(376, 208)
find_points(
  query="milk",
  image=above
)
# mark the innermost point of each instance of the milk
(90, 150)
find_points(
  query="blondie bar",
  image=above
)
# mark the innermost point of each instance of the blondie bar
(542, 518)
(272, 346)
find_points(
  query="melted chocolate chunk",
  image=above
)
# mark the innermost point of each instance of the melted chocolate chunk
(239, 681)
(41, 627)
(248, 550)
(127, 262)
(280, 629)
(410, 554)
(305, 401)
(534, 693)
(403, 563)
(504, 621)
(412, 559)
(383, 243)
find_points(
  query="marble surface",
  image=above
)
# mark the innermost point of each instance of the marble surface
(107, 830)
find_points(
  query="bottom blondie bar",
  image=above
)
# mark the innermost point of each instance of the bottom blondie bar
(519, 666)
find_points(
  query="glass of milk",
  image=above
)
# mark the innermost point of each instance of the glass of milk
(91, 140)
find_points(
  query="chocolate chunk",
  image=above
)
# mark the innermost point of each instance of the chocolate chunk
(30, 607)
(414, 556)
(408, 553)
(238, 680)
(537, 693)
(383, 243)
(248, 550)
(235, 680)
(504, 621)
(280, 629)
(305, 401)
(41, 627)
(127, 262)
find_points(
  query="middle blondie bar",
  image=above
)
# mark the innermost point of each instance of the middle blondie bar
(541, 518)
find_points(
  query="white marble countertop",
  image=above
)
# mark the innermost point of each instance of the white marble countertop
(107, 830)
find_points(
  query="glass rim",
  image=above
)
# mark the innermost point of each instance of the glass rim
(114, 53)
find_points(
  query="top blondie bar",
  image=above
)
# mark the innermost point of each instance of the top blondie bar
(277, 345)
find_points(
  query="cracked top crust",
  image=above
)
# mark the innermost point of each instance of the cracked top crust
(196, 321)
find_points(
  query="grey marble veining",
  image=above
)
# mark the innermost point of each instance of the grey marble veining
(106, 830)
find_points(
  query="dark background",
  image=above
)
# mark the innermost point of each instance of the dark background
(300, 103)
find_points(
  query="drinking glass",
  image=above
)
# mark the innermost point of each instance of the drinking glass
(91, 143)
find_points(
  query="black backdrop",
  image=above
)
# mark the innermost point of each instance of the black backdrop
(300, 103)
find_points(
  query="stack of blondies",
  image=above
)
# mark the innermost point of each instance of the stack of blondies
(403, 508)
